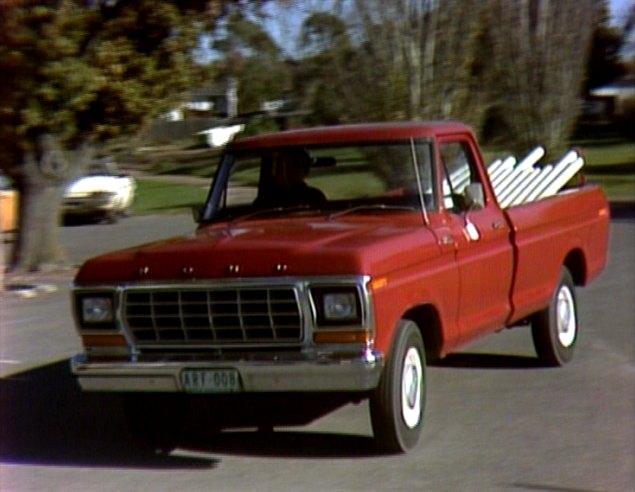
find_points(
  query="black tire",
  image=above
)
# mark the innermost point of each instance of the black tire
(156, 419)
(555, 329)
(397, 405)
(111, 218)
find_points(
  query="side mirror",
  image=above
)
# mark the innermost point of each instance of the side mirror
(474, 196)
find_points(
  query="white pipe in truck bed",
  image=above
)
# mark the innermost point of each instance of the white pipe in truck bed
(520, 182)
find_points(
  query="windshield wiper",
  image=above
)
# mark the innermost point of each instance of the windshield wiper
(380, 206)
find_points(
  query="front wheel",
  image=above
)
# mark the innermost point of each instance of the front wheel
(555, 329)
(397, 405)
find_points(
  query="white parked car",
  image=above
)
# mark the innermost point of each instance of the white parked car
(103, 193)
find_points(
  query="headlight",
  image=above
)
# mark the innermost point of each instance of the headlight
(96, 310)
(337, 306)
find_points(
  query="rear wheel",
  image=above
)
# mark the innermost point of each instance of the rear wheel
(555, 329)
(397, 405)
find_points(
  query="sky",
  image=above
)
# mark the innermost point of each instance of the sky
(619, 8)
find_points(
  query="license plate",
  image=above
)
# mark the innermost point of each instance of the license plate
(210, 380)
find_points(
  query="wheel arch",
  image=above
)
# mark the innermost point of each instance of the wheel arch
(575, 262)
(428, 321)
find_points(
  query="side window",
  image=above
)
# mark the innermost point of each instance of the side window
(458, 173)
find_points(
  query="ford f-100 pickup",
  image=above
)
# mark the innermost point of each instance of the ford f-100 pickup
(332, 263)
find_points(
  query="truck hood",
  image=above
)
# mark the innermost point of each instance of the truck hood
(289, 247)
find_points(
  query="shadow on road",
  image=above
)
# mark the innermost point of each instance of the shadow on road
(489, 361)
(288, 444)
(46, 420)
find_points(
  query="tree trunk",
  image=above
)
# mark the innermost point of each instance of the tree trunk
(38, 245)
(41, 185)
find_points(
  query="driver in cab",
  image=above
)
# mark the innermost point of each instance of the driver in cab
(286, 187)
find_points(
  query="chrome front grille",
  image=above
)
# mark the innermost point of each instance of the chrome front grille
(225, 316)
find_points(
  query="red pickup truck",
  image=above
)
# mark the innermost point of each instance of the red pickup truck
(331, 263)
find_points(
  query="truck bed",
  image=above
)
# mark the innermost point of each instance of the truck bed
(568, 224)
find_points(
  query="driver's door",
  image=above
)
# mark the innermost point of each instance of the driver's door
(481, 237)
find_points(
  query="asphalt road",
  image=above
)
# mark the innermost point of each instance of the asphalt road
(496, 421)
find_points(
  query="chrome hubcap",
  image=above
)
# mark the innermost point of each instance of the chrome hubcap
(411, 382)
(565, 317)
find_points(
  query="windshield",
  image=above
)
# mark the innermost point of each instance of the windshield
(364, 178)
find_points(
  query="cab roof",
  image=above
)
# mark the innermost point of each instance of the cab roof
(357, 133)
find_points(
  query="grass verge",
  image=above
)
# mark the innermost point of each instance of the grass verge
(611, 165)
(160, 197)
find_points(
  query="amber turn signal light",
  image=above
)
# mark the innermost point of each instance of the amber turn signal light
(103, 341)
(349, 336)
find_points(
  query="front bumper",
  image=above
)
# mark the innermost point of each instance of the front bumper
(89, 205)
(271, 373)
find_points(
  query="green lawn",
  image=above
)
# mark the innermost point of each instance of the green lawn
(617, 188)
(616, 154)
(612, 165)
(154, 197)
